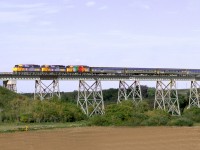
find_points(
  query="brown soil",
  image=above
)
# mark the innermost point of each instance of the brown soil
(104, 138)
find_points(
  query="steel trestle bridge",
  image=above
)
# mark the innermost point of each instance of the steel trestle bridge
(90, 95)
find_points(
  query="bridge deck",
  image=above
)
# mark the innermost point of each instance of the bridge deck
(104, 77)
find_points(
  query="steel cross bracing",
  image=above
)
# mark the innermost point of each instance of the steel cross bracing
(90, 98)
(194, 94)
(166, 97)
(46, 91)
(132, 92)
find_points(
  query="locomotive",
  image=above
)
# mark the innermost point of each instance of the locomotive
(50, 68)
(21, 68)
(26, 68)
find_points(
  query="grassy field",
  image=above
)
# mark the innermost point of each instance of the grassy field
(21, 127)
(14, 127)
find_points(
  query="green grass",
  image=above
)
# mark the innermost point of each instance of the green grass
(196, 124)
(14, 127)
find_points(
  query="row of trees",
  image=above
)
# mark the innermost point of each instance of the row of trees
(128, 114)
(15, 107)
(41, 111)
(110, 96)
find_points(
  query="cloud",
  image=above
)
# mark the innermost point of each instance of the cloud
(146, 7)
(90, 3)
(172, 12)
(17, 16)
(21, 6)
(68, 3)
(10, 12)
(140, 5)
(103, 7)
(44, 23)
(196, 30)
(70, 6)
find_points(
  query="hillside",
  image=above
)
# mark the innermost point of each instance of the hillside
(19, 108)
(6, 96)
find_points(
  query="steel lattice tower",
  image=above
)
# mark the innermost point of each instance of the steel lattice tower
(90, 98)
(194, 94)
(166, 97)
(127, 91)
(43, 91)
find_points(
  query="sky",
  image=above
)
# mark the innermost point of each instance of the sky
(118, 33)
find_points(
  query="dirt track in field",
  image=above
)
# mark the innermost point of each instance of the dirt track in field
(104, 138)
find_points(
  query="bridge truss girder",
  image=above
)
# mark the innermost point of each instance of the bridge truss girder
(90, 98)
(127, 91)
(10, 85)
(194, 94)
(46, 91)
(166, 97)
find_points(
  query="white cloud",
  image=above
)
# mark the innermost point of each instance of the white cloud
(21, 6)
(90, 3)
(10, 12)
(44, 23)
(172, 12)
(69, 3)
(50, 10)
(20, 16)
(196, 30)
(103, 7)
(70, 6)
(146, 7)
(140, 5)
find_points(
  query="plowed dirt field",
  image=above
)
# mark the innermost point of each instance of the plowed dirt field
(104, 138)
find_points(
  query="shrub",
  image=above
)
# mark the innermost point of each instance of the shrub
(137, 119)
(52, 111)
(26, 118)
(156, 118)
(155, 121)
(180, 122)
(99, 121)
(119, 112)
(142, 107)
(192, 113)
(124, 113)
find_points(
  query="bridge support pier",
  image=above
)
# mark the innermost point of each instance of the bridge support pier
(194, 94)
(43, 91)
(127, 91)
(11, 85)
(90, 98)
(166, 97)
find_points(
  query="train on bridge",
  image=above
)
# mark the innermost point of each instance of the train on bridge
(83, 69)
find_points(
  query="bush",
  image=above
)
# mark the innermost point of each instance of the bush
(118, 114)
(123, 114)
(181, 122)
(26, 118)
(41, 111)
(115, 114)
(137, 119)
(192, 113)
(156, 118)
(155, 121)
(99, 121)
(142, 107)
